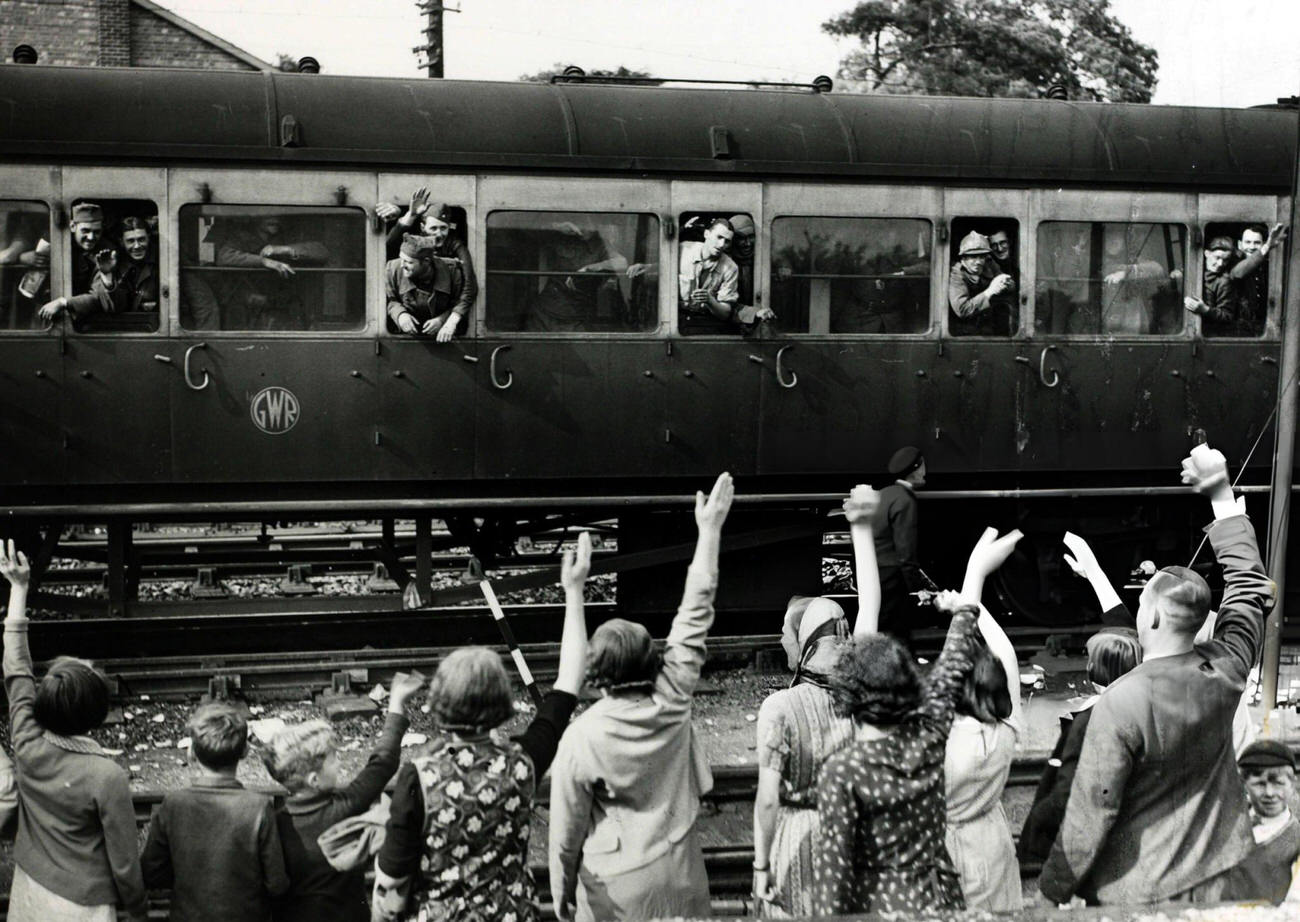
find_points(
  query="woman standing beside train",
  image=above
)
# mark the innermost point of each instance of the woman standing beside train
(798, 729)
(627, 780)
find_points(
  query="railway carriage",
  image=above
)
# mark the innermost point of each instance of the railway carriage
(859, 202)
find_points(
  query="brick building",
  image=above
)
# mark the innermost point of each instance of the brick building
(116, 33)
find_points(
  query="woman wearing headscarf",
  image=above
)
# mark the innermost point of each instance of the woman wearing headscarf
(627, 780)
(456, 844)
(798, 728)
(881, 797)
(977, 763)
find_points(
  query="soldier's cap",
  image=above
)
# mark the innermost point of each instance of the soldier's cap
(974, 244)
(742, 224)
(1266, 754)
(417, 246)
(87, 212)
(440, 211)
(904, 461)
(1221, 243)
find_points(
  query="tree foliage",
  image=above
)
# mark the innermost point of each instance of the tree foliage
(995, 48)
(545, 76)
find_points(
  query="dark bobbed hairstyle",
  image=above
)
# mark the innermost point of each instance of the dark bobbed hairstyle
(875, 681)
(218, 734)
(622, 657)
(470, 692)
(1112, 652)
(72, 697)
(1182, 597)
(986, 695)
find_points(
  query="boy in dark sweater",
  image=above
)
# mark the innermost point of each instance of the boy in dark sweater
(215, 843)
(1268, 769)
(304, 758)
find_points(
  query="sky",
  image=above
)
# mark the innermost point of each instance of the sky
(1212, 52)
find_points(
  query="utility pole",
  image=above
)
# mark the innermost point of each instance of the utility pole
(432, 47)
(1284, 459)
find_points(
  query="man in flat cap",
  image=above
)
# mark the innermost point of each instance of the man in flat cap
(431, 219)
(90, 253)
(978, 293)
(426, 293)
(1268, 770)
(1218, 305)
(894, 528)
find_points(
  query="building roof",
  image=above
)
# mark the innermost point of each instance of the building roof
(198, 32)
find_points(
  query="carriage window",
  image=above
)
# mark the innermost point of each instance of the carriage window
(258, 267)
(984, 278)
(851, 275)
(24, 263)
(570, 272)
(114, 255)
(1233, 300)
(1109, 278)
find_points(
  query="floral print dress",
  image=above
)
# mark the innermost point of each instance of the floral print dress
(478, 796)
(882, 804)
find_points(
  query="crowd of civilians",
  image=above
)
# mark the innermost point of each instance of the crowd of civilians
(879, 788)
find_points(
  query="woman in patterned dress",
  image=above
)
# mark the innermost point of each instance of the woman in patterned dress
(456, 845)
(881, 798)
(798, 730)
(981, 745)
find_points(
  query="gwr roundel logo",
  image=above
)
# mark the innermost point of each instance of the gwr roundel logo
(275, 410)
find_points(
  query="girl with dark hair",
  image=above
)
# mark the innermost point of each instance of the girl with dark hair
(798, 728)
(456, 845)
(76, 854)
(977, 763)
(881, 798)
(626, 785)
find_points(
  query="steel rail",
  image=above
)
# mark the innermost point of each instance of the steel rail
(323, 508)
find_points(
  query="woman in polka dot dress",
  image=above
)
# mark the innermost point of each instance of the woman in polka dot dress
(881, 799)
(798, 729)
(456, 844)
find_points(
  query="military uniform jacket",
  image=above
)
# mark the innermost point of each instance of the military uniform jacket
(432, 298)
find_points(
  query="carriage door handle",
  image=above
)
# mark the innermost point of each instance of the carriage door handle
(492, 370)
(1042, 369)
(189, 379)
(780, 378)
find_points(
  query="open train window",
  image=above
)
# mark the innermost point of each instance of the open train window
(984, 278)
(24, 263)
(1109, 278)
(851, 275)
(572, 272)
(1233, 300)
(114, 256)
(715, 272)
(272, 268)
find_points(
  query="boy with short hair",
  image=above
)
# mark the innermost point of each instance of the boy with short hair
(304, 758)
(1268, 769)
(215, 844)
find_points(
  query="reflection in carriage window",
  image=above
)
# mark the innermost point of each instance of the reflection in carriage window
(24, 263)
(565, 272)
(851, 275)
(1109, 278)
(257, 267)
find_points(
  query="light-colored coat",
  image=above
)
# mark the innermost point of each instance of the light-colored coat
(627, 779)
